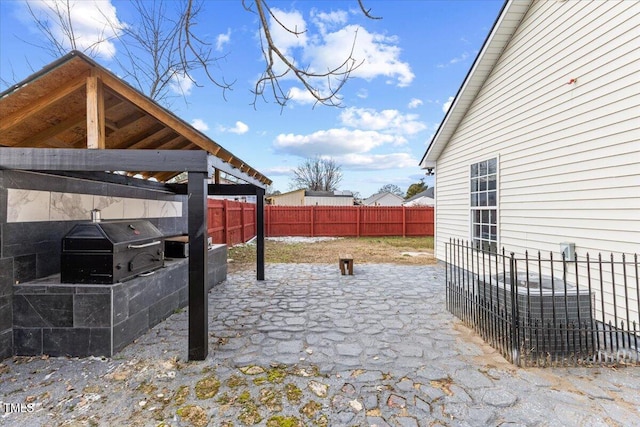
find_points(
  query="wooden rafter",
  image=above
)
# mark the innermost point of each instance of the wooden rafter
(71, 122)
(32, 108)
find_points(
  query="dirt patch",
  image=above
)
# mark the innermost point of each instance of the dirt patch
(383, 250)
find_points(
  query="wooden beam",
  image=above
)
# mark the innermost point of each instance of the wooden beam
(161, 137)
(113, 178)
(146, 133)
(164, 116)
(95, 114)
(216, 163)
(130, 119)
(34, 107)
(63, 159)
(232, 190)
(260, 233)
(75, 120)
(198, 267)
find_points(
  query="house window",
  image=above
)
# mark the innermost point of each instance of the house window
(484, 203)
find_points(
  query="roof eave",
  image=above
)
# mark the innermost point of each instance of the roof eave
(499, 37)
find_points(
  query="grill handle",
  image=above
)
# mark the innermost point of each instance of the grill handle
(145, 245)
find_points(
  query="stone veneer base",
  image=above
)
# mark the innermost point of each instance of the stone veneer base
(82, 320)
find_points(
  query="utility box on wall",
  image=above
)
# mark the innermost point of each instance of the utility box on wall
(569, 250)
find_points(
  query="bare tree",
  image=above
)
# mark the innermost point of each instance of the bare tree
(391, 188)
(317, 174)
(162, 49)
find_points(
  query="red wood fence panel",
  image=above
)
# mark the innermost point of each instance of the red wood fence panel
(348, 221)
(233, 222)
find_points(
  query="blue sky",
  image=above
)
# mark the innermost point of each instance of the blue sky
(414, 60)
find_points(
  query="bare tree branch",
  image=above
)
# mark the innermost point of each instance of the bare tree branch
(317, 174)
(335, 78)
(162, 49)
(367, 11)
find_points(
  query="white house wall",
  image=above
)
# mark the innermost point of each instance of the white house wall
(328, 201)
(568, 153)
(294, 198)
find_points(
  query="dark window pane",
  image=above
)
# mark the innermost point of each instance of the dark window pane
(482, 199)
(474, 185)
(492, 182)
(474, 200)
(492, 198)
(485, 217)
(492, 165)
(482, 184)
(477, 215)
(485, 232)
(474, 170)
(476, 231)
(482, 170)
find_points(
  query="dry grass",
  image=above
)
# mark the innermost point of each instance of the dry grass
(387, 250)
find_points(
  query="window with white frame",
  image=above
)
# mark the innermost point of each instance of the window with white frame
(484, 205)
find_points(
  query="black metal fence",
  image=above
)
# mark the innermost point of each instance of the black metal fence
(541, 311)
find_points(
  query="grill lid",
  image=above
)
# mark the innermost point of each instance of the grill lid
(129, 231)
(117, 232)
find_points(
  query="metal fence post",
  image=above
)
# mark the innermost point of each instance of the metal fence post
(515, 345)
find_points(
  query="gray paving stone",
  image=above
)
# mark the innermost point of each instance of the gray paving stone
(401, 358)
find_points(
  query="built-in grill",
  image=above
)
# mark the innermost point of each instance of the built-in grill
(110, 251)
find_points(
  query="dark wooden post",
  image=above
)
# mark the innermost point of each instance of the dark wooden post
(198, 250)
(260, 233)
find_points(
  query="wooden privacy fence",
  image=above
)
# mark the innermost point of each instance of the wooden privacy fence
(233, 222)
(348, 221)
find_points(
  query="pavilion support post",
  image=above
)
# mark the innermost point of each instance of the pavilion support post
(95, 113)
(198, 249)
(260, 233)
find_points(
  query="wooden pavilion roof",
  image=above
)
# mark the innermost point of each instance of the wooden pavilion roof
(76, 103)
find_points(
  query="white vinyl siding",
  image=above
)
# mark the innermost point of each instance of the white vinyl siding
(569, 153)
(328, 201)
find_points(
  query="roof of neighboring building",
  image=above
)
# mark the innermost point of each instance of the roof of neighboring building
(49, 109)
(503, 30)
(313, 193)
(378, 196)
(426, 193)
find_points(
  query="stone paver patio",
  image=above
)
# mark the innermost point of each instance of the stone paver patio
(311, 347)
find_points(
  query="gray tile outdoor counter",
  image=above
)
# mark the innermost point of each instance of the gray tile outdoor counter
(99, 320)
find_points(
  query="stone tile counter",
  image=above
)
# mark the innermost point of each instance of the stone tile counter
(86, 319)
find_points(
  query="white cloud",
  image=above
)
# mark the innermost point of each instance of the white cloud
(447, 105)
(301, 96)
(94, 23)
(384, 121)
(200, 125)
(329, 43)
(325, 21)
(181, 84)
(277, 171)
(455, 60)
(334, 142)
(362, 93)
(377, 55)
(376, 161)
(222, 40)
(415, 103)
(287, 40)
(239, 129)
